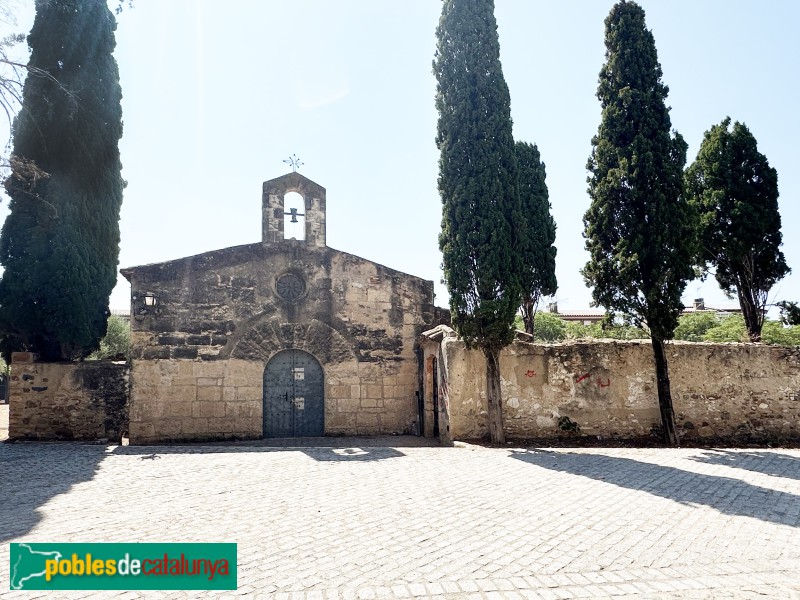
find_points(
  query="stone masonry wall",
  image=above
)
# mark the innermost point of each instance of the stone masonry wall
(743, 392)
(67, 401)
(223, 303)
(221, 318)
(370, 398)
(189, 400)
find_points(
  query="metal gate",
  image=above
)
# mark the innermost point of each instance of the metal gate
(293, 396)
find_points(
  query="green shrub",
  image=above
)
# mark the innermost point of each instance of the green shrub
(548, 327)
(117, 341)
(692, 327)
(696, 327)
(774, 332)
(728, 329)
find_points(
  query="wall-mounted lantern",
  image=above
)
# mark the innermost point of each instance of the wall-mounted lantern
(145, 304)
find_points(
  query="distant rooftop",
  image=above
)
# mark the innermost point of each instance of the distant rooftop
(122, 313)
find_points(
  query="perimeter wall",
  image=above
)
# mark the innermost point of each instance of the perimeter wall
(742, 392)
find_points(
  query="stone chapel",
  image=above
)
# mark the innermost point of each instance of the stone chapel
(283, 337)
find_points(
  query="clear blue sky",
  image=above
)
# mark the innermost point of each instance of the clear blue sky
(218, 94)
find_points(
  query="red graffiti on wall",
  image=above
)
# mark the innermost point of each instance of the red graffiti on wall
(599, 382)
(530, 373)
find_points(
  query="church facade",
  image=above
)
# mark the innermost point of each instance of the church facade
(279, 338)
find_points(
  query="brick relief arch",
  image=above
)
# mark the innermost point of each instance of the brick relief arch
(269, 337)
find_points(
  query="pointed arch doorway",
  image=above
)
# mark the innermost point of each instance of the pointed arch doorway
(294, 403)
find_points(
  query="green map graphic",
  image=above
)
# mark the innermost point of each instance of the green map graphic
(122, 566)
(28, 564)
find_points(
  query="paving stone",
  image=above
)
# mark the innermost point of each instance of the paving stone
(420, 522)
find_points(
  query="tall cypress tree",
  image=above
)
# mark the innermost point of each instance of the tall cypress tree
(478, 187)
(735, 191)
(536, 232)
(60, 242)
(638, 228)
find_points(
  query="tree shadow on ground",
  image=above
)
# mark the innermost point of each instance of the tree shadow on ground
(339, 453)
(768, 463)
(339, 449)
(31, 474)
(726, 495)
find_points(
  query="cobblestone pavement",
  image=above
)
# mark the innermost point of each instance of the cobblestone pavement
(409, 522)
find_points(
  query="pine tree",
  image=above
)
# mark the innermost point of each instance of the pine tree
(478, 187)
(790, 312)
(60, 242)
(638, 227)
(735, 192)
(536, 232)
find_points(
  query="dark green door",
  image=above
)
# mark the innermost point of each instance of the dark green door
(293, 396)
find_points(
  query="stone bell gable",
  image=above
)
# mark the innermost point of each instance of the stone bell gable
(274, 209)
(275, 338)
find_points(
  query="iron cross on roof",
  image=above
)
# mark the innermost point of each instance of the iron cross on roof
(295, 162)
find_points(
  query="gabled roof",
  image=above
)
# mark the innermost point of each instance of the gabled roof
(237, 255)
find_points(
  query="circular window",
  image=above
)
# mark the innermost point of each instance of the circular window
(290, 287)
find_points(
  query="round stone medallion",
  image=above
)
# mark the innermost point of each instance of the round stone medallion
(290, 287)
